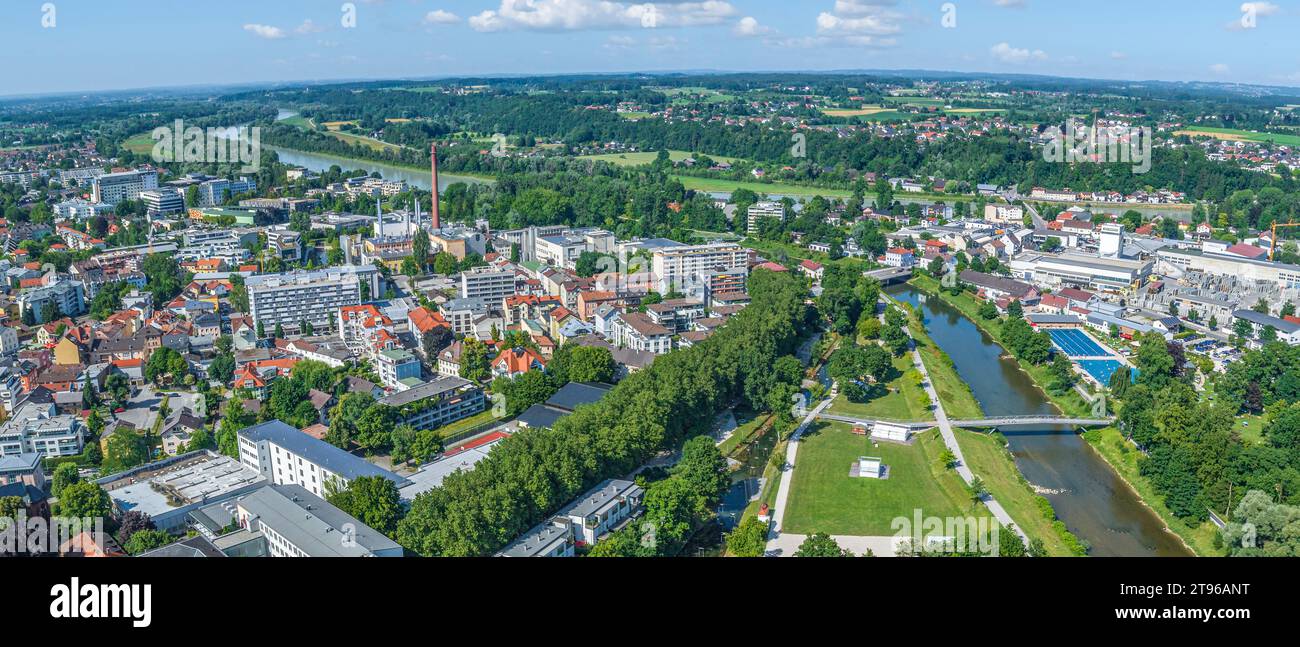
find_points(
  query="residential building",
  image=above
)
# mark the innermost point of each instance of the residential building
(680, 267)
(40, 429)
(636, 331)
(761, 210)
(164, 201)
(113, 188)
(286, 456)
(436, 403)
(68, 298)
(396, 367)
(487, 285)
(604, 509)
(312, 296)
(290, 521)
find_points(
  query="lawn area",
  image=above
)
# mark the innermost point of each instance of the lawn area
(1124, 458)
(748, 423)
(988, 458)
(902, 402)
(647, 157)
(954, 393)
(716, 185)
(824, 498)
(466, 423)
(1251, 429)
(140, 143)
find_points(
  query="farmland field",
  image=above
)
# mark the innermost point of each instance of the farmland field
(1232, 134)
(647, 157)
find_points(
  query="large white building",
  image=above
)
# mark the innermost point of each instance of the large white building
(602, 510)
(68, 297)
(163, 201)
(38, 428)
(682, 266)
(293, 522)
(487, 284)
(761, 210)
(1079, 270)
(313, 296)
(1174, 262)
(636, 331)
(287, 456)
(116, 187)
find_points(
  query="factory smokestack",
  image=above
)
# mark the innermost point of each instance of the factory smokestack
(433, 161)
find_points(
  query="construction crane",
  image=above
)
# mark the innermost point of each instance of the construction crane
(1272, 246)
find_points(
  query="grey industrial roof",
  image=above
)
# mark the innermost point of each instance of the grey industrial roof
(319, 452)
(540, 416)
(574, 394)
(1282, 325)
(312, 524)
(434, 387)
(196, 546)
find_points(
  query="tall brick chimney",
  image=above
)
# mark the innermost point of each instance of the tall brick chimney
(433, 160)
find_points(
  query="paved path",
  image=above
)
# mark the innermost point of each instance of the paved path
(787, 545)
(950, 439)
(774, 543)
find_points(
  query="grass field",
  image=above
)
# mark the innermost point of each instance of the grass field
(139, 143)
(958, 401)
(1233, 134)
(902, 402)
(772, 188)
(1124, 458)
(647, 157)
(466, 423)
(332, 129)
(824, 498)
(987, 457)
(747, 424)
(1251, 429)
(852, 112)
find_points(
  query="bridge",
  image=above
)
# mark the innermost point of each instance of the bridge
(891, 275)
(1005, 421)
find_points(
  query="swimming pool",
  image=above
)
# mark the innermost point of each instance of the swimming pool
(1076, 343)
(1102, 369)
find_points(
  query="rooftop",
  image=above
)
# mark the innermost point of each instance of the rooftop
(319, 452)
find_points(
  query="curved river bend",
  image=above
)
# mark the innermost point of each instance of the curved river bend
(1093, 501)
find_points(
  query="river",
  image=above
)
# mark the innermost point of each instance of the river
(319, 162)
(1093, 501)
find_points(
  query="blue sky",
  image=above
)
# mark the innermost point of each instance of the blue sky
(117, 44)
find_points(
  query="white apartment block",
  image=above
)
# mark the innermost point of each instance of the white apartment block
(762, 210)
(1004, 213)
(679, 267)
(69, 297)
(164, 201)
(312, 296)
(487, 285)
(296, 523)
(116, 187)
(37, 428)
(287, 456)
(636, 331)
(78, 209)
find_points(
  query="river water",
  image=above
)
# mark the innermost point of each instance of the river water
(1093, 501)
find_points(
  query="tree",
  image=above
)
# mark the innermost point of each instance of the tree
(375, 426)
(166, 366)
(123, 450)
(749, 539)
(344, 418)
(420, 250)
(435, 340)
(474, 362)
(84, 499)
(533, 387)
(821, 545)
(574, 363)
(1154, 362)
(132, 522)
(222, 368)
(64, 475)
(374, 500)
(147, 540)
(704, 469)
(672, 506)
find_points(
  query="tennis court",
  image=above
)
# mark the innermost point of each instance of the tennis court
(1076, 343)
(1102, 369)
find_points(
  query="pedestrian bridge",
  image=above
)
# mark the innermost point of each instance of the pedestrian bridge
(1005, 421)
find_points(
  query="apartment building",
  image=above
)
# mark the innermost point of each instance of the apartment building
(113, 188)
(682, 266)
(290, 521)
(761, 210)
(68, 297)
(285, 242)
(636, 331)
(38, 428)
(397, 368)
(313, 296)
(487, 285)
(78, 209)
(214, 193)
(604, 509)
(164, 201)
(287, 456)
(436, 403)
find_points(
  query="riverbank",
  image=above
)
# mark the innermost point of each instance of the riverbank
(955, 395)
(1106, 443)
(1123, 457)
(1069, 403)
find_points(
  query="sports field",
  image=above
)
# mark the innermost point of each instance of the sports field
(1076, 343)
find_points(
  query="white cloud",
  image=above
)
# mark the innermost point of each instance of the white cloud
(749, 27)
(1255, 10)
(265, 31)
(860, 22)
(1220, 68)
(308, 27)
(1014, 4)
(572, 15)
(1005, 53)
(440, 17)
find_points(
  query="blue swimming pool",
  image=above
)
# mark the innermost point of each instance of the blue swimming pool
(1075, 343)
(1102, 369)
